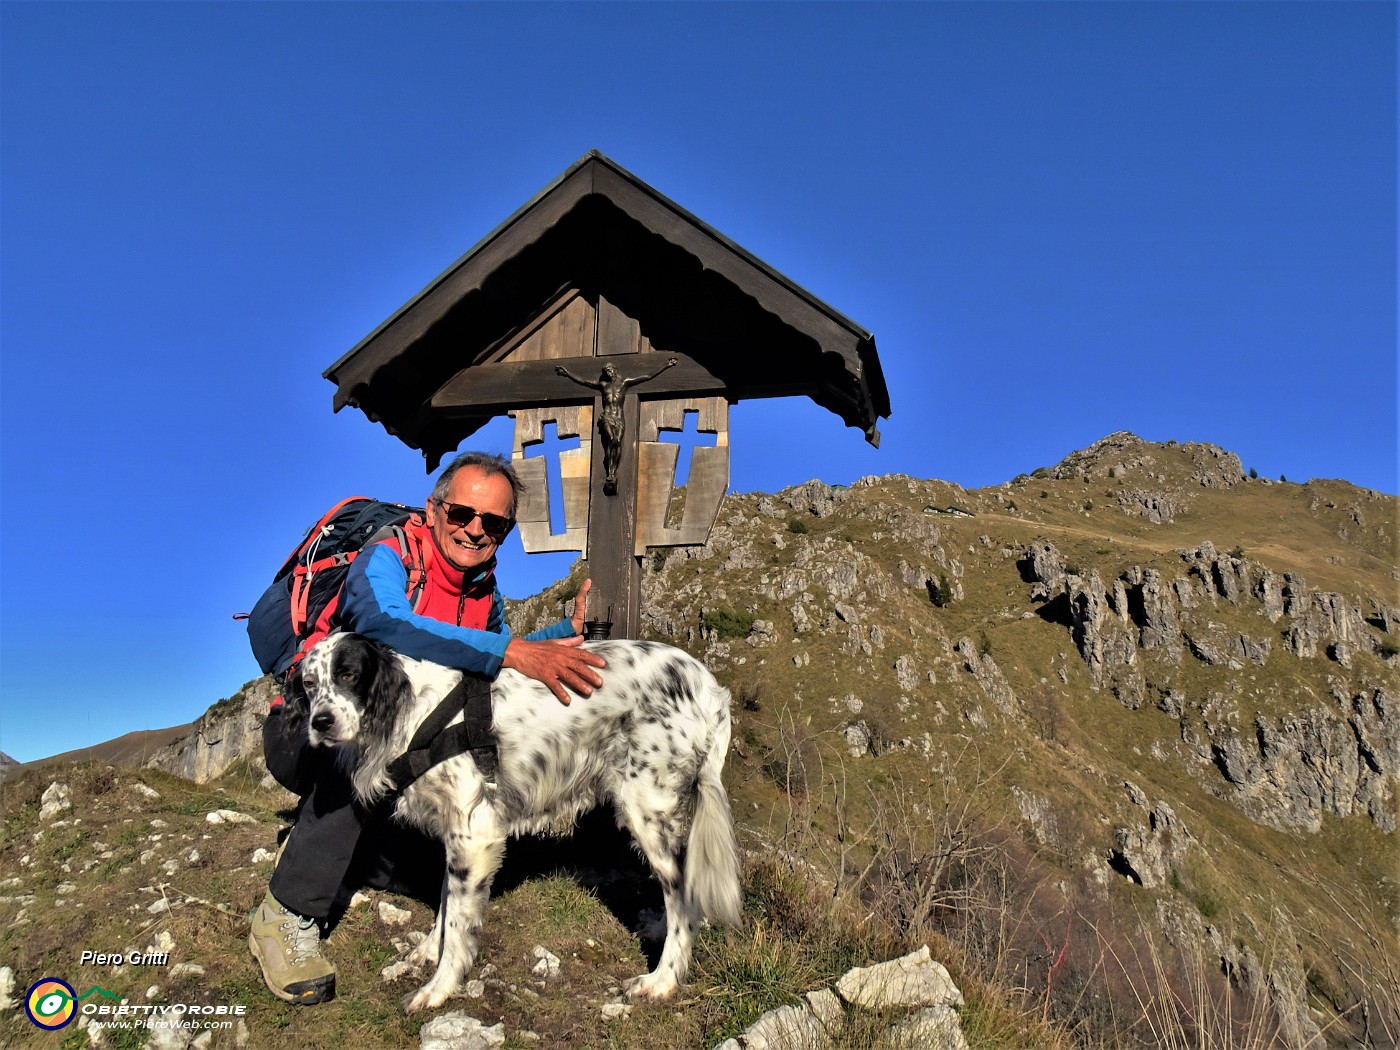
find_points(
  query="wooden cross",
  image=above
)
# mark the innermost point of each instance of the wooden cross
(619, 509)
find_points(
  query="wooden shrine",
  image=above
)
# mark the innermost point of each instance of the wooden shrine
(605, 314)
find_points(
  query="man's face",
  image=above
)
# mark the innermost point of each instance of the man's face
(468, 546)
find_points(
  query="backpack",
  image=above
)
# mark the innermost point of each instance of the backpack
(309, 582)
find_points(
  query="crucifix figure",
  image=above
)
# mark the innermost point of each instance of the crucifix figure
(611, 424)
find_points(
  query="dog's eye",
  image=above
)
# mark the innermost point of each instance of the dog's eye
(348, 677)
(308, 682)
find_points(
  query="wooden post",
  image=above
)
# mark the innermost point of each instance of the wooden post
(612, 519)
(612, 523)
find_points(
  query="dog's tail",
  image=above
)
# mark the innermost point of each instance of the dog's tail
(712, 858)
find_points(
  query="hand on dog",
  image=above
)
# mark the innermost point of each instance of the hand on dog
(558, 663)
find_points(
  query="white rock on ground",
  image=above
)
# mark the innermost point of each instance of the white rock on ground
(392, 915)
(458, 1031)
(786, 1028)
(547, 964)
(228, 816)
(932, 1028)
(913, 980)
(53, 801)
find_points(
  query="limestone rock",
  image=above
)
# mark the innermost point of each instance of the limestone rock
(1099, 629)
(1160, 627)
(1043, 564)
(933, 1028)
(1148, 853)
(914, 980)
(227, 732)
(1289, 772)
(53, 801)
(987, 674)
(458, 1031)
(1157, 507)
(786, 1028)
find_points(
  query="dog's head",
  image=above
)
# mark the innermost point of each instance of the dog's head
(352, 687)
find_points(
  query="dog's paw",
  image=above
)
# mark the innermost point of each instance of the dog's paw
(425, 954)
(654, 986)
(426, 998)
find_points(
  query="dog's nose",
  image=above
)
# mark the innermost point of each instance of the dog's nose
(322, 721)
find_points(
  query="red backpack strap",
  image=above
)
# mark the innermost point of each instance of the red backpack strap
(412, 551)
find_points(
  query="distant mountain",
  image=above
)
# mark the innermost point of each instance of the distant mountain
(133, 749)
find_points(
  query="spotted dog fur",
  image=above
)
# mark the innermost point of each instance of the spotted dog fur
(652, 740)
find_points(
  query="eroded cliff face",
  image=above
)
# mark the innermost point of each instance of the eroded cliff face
(228, 732)
(1299, 758)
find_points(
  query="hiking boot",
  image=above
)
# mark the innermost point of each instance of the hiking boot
(288, 948)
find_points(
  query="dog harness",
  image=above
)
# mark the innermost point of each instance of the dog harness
(436, 740)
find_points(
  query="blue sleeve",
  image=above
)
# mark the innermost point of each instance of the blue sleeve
(374, 602)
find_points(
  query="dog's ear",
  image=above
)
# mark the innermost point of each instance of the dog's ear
(385, 689)
(296, 705)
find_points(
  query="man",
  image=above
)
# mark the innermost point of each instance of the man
(459, 622)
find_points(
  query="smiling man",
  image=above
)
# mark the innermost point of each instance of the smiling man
(458, 619)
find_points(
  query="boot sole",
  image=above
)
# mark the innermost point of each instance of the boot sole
(300, 993)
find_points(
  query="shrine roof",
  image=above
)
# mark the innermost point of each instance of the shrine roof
(599, 231)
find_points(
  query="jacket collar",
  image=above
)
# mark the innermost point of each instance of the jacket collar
(456, 578)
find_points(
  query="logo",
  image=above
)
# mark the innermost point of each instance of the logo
(52, 1004)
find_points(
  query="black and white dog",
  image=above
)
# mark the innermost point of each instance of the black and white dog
(652, 740)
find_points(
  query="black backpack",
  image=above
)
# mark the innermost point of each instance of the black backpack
(285, 617)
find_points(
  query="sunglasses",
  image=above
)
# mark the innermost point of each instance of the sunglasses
(460, 515)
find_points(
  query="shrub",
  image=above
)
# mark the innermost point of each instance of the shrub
(726, 623)
(797, 526)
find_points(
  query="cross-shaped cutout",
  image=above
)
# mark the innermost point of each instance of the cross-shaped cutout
(551, 446)
(689, 437)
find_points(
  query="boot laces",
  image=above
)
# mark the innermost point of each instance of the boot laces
(303, 937)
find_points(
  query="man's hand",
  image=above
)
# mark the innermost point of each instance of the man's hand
(581, 606)
(559, 663)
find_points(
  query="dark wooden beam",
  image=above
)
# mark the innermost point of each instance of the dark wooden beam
(494, 389)
(509, 385)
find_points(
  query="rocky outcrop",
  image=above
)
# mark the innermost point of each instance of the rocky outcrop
(1159, 630)
(228, 731)
(1326, 621)
(1157, 507)
(1149, 849)
(1290, 772)
(914, 985)
(1100, 626)
(987, 675)
(1286, 771)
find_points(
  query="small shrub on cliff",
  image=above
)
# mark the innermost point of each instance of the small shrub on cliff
(726, 623)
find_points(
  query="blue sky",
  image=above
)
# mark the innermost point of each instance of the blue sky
(1059, 221)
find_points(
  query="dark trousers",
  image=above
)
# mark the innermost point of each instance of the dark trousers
(338, 845)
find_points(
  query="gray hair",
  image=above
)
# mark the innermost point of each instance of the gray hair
(486, 462)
